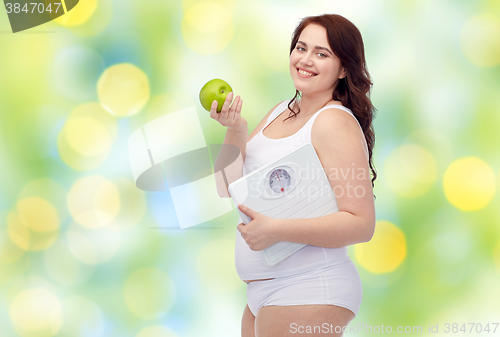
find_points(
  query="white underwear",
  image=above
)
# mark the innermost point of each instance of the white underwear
(338, 285)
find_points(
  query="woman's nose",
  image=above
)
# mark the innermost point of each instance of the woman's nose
(306, 60)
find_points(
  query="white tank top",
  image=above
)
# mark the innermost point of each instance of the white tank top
(260, 151)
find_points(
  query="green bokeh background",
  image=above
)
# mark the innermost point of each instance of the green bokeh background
(436, 72)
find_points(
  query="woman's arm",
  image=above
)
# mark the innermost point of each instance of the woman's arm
(228, 166)
(341, 148)
(235, 144)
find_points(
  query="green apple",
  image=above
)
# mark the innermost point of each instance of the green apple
(214, 90)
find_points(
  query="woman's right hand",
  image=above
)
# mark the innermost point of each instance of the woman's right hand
(230, 116)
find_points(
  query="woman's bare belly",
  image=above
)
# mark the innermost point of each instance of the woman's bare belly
(262, 279)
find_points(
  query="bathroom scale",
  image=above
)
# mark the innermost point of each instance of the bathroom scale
(294, 186)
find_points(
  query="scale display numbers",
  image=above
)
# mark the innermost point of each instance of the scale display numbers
(280, 181)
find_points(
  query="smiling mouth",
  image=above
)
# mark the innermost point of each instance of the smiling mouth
(305, 73)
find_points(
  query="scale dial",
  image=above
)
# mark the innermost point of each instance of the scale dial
(280, 181)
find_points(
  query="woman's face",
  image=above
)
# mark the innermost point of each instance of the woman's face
(313, 65)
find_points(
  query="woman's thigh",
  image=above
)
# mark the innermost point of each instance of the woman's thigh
(296, 320)
(248, 323)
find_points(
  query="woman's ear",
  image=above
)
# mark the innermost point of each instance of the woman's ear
(342, 73)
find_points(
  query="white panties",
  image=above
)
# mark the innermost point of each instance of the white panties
(338, 285)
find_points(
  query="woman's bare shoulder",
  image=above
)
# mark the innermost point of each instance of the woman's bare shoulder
(337, 126)
(337, 119)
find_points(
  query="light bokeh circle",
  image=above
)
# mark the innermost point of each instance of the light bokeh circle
(480, 40)
(469, 183)
(95, 245)
(9, 252)
(38, 214)
(87, 136)
(76, 160)
(385, 251)
(49, 190)
(123, 89)
(34, 225)
(207, 27)
(133, 206)
(410, 170)
(80, 14)
(36, 310)
(94, 201)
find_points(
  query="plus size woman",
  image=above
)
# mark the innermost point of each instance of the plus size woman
(316, 290)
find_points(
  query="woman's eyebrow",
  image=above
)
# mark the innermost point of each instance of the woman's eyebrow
(317, 47)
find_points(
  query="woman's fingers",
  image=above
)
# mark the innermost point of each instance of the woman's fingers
(229, 113)
(213, 111)
(225, 106)
(238, 108)
(235, 103)
(232, 110)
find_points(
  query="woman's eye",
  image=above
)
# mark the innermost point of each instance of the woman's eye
(300, 48)
(322, 55)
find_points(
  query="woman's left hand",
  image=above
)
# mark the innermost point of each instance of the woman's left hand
(260, 232)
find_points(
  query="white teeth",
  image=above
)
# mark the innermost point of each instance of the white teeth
(305, 73)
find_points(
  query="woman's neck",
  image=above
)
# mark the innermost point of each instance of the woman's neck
(309, 104)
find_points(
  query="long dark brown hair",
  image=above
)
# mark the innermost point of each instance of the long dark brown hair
(353, 90)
